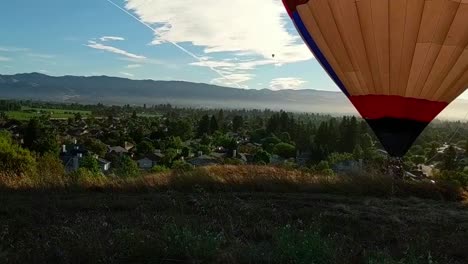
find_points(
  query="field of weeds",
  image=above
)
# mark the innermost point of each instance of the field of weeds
(231, 214)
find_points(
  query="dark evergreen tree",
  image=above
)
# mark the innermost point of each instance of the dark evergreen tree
(203, 126)
(213, 125)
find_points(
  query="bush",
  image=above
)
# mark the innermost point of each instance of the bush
(90, 163)
(126, 167)
(454, 177)
(231, 161)
(180, 165)
(262, 157)
(335, 158)
(285, 150)
(160, 169)
(50, 170)
(14, 160)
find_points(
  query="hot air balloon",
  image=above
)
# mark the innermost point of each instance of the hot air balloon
(400, 62)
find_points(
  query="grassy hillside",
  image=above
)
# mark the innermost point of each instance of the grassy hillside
(230, 214)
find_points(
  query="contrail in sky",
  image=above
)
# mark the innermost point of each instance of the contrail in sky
(177, 45)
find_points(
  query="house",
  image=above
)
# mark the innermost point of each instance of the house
(71, 155)
(128, 146)
(147, 162)
(117, 150)
(104, 164)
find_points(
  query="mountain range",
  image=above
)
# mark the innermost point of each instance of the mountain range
(119, 91)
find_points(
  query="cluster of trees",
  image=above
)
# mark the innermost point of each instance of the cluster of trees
(177, 132)
(8, 105)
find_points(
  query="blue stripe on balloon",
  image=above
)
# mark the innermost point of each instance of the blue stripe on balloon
(316, 50)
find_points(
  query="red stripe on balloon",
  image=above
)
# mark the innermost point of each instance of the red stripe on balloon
(292, 4)
(390, 106)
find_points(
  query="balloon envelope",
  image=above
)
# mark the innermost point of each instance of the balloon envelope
(400, 62)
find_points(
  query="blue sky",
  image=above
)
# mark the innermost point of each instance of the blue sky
(225, 44)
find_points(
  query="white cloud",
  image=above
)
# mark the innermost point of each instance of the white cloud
(127, 74)
(12, 49)
(111, 38)
(234, 79)
(240, 30)
(41, 56)
(243, 26)
(133, 66)
(43, 71)
(4, 59)
(286, 83)
(99, 46)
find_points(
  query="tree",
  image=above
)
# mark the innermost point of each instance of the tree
(96, 146)
(169, 156)
(14, 160)
(180, 128)
(78, 117)
(358, 153)
(90, 163)
(285, 137)
(269, 143)
(431, 153)
(221, 120)
(145, 147)
(125, 167)
(366, 141)
(137, 134)
(349, 136)
(262, 157)
(3, 116)
(213, 125)
(39, 138)
(175, 143)
(204, 126)
(285, 150)
(418, 159)
(449, 161)
(237, 123)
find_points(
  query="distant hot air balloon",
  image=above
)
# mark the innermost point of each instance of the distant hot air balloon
(400, 62)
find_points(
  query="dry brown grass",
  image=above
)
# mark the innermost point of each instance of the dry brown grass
(247, 178)
(230, 214)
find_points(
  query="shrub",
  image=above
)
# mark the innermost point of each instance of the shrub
(335, 158)
(126, 168)
(14, 160)
(160, 169)
(285, 150)
(455, 177)
(90, 163)
(180, 165)
(262, 157)
(50, 170)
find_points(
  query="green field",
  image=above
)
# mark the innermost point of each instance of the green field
(27, 113)
(148, 115)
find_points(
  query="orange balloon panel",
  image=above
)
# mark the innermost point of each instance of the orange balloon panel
(400, 62)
